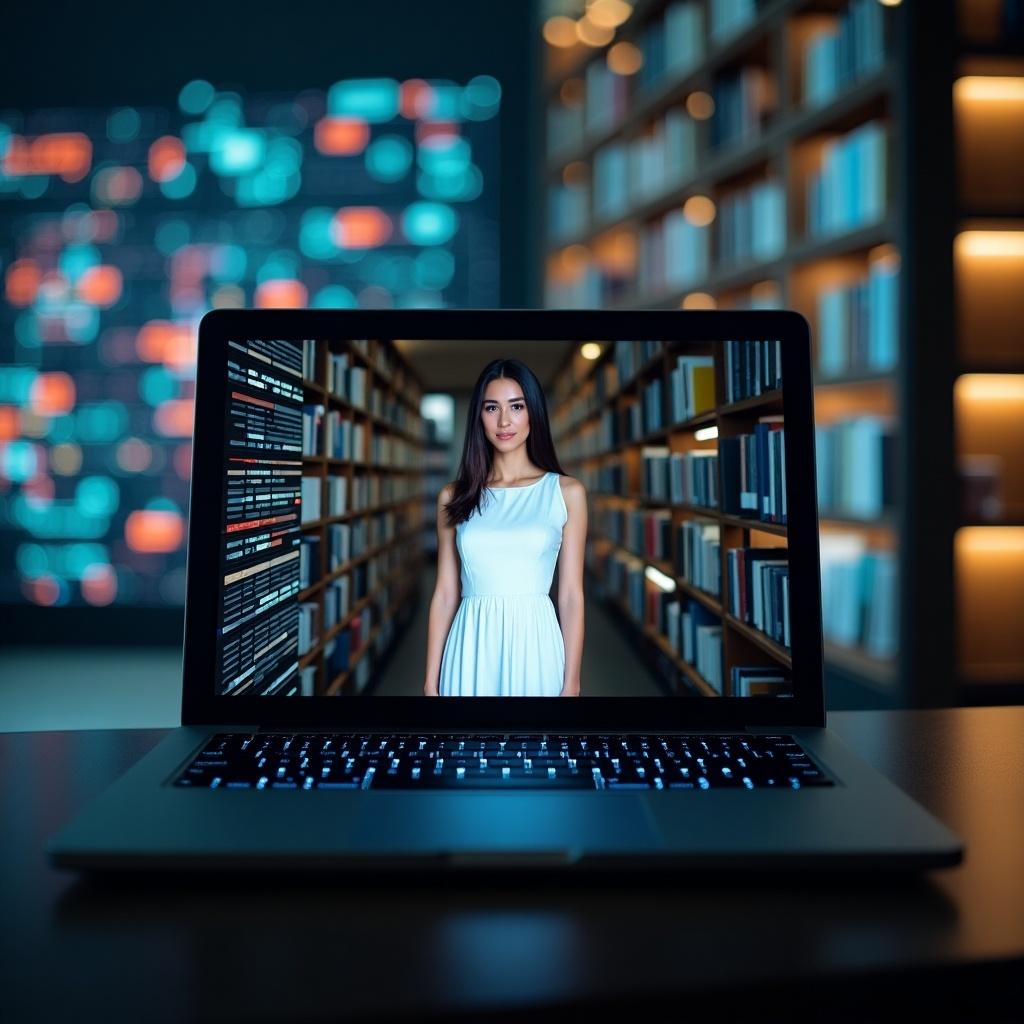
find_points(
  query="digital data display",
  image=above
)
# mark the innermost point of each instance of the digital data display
(120, 228)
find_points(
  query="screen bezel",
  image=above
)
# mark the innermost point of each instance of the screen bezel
(200, 705)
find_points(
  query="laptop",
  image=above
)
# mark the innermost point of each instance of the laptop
(523, 589)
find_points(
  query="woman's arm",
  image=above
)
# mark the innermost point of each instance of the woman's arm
(570, 582)
(447, 593)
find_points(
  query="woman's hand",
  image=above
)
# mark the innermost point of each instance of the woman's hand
(570, 689)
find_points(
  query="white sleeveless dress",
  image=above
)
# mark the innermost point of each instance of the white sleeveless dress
(505, 640)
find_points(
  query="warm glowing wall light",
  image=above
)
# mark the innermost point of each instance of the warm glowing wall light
(560, 31)
(886, 256)
(991, 387)
(890, 3)
(625, 59)
(699, 211)
(698, 300)
(706, 434)
(989, 87)
(608, 13)
(700, 106)
(990, 539)
(590, 350)
(990, 243)
(658, 578)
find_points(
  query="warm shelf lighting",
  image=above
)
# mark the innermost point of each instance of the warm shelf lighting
(575, 173)
(991, 387)
(699, 211)
(991, 243)
(700, 106)
(590, 350)
(560, 31)
(574, 258)
(890, 3)
(706, 434)
(593, 35)
(609, 13)
(698, 300)
(625, 59)
(993, 88)
(657, 577)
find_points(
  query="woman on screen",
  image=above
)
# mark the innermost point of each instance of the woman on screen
(501, 527)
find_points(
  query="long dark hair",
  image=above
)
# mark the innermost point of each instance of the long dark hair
(477, 451)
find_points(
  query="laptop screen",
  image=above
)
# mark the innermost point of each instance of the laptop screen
(410, 517)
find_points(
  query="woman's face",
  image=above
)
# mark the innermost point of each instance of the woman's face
(504, 416)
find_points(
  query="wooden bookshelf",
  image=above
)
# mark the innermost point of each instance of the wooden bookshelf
(986, 88)
(383, 484)
(576, 406)
(888, 243)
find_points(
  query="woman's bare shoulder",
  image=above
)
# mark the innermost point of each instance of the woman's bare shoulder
(572, 488)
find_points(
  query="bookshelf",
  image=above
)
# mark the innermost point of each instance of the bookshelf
(658, 438)
(987, 252)
(362, 511)
(796, 154)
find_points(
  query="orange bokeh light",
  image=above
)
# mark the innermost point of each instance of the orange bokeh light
(281, 293)
(22, 282)
(360, 227)
(415, 99)
(52, 394)
(166, 158)
(100, 286)
(160, 341)
(341, 136)
(99, 585)
(66, 154)
(153, 531)
(173, 418)
(10, 423)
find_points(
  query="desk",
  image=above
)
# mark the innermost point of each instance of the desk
(487, 948)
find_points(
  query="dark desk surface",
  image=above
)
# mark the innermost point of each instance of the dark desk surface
(490, 948)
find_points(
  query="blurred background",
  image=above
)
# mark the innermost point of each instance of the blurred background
(859, 161)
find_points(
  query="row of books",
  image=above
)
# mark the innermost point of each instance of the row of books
(628, 357)
(568, 210)
(309, 560)
(337, 600)
(346, 379)
(692, 387)
(858, 324)
(310, 508)
(344, 438)
(855, 467)
(751, 224)
(672, 254)
(759, 589)
(699, 555)
(696, 634)
(347, 642)
(744, 100)
(760, 681)
(312, 419)
(754, 472)
(590, 285)
(689, 478)
(752, 368)
(388, 449)
(851, 48)
(390, 406)
(629, 172)
(308, 626)
(671, 45)
(849, 190)
(606, 98)
(859, 594)
(728, 17)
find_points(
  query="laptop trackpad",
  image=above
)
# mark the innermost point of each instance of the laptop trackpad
(560, 826)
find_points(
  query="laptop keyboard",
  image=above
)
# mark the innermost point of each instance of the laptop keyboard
(333, 761)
